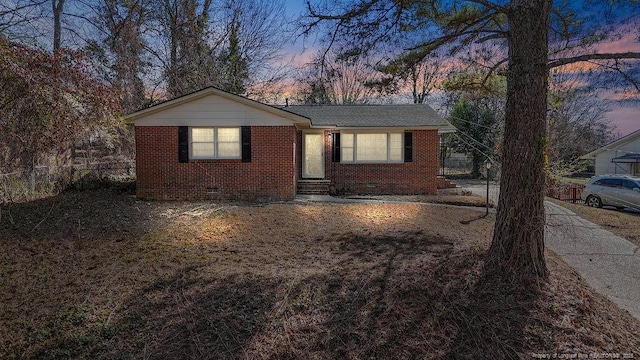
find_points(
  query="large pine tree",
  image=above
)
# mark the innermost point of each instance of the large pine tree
(522, 28)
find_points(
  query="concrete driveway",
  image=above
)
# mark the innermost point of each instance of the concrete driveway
(609, 263)
(479, 187)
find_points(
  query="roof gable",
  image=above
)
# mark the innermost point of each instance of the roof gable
(614, 145)
(212, 106)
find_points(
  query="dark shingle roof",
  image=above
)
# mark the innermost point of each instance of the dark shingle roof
(371, 115)
(627, 158)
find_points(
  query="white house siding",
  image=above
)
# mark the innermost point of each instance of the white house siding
(603, 159)
(212, 110)
(605, 166)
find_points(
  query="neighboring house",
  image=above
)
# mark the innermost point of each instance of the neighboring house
(212, 144)
(619, 157)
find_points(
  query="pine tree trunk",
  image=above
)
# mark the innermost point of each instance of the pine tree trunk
(518, 240)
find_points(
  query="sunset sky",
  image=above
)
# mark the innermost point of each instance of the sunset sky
(626, 116)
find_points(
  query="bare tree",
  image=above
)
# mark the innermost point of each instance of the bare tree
(335, 80)
(232, 46)
(57, 7)
(18, 14)
(121, 48)
(48, 24)
(261, 35)
(576, 123)
(188, 63)
(234, 71)
(420, 76)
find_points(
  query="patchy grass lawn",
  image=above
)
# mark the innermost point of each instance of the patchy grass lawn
(99, 274)
(622, 223)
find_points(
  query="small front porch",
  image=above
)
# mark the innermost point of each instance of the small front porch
(313, 187)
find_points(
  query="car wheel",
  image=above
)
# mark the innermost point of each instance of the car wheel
(594, 201)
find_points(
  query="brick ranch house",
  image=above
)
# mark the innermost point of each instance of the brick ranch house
(211, 144)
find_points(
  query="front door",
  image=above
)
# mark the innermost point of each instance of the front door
(313, 156)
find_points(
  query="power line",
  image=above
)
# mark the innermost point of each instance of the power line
(471, 122)
(487, 147)
(473, 146)
(491, 128)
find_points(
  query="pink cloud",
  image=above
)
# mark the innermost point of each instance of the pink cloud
(628, 42)
(627, 119)
(621, 95)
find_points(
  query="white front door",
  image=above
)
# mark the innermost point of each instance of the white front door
(313, 156)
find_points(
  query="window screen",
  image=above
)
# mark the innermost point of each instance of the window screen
(371, 147)
(215, 143)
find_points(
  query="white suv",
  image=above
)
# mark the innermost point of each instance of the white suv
(620, 191)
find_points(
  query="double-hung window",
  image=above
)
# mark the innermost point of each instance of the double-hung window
(371, 147)
(214, 143)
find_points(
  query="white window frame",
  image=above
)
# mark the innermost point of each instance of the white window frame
(215, 143)
(354, 159)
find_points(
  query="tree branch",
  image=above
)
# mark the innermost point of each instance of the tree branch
(497, 35)
(490, 5)
(624, 75)
(361, 9)
(493, 69)
(587, 57)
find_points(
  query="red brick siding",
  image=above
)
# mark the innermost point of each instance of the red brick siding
(416, 177)
(271, 174)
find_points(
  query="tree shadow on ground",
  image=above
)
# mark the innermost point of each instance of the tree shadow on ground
(424, 299)
(87, 215)
(181, 317)
(491, 316)
(196, 319)
(404, 295)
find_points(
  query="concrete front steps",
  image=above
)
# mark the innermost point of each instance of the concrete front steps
(313, 187)
(444, 183)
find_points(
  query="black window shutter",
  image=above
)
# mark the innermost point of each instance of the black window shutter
(335, 151)
(183, 144)
(246, 143)
(408, 146)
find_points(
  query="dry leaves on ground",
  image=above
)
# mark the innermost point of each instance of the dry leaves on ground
(102, 275)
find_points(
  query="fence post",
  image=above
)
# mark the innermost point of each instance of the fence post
(574, 191)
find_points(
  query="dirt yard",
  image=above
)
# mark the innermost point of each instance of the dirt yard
(101, 275)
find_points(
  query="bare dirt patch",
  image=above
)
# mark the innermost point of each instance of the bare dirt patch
(99, 274)
(622, 223)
